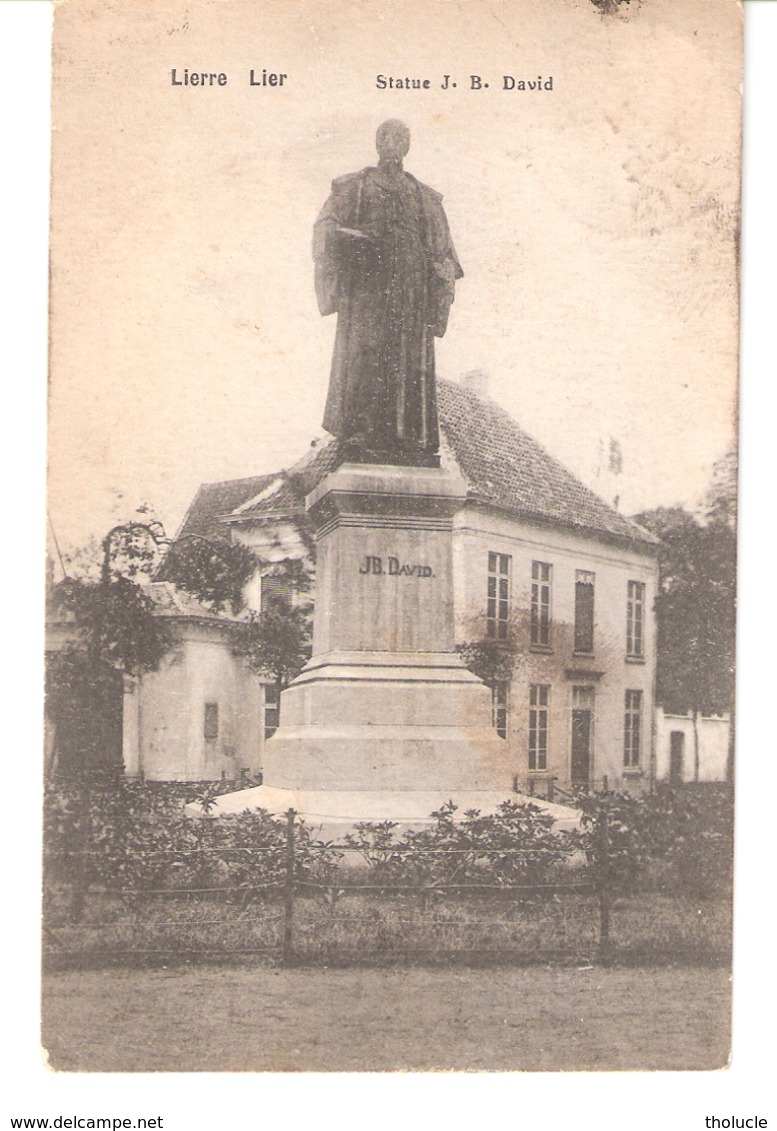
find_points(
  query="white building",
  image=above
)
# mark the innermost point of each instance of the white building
(688, 751)
(544, 571)
(197, 718)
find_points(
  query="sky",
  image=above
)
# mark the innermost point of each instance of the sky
(596, 224)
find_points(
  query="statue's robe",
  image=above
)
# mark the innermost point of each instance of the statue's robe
(392, 292)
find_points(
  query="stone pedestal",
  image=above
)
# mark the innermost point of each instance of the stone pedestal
(385, 703)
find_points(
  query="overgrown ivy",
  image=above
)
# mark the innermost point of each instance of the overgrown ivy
(114, 634)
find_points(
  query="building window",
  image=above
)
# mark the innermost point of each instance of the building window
(210, 726)
(540, 604)
(539, 696)
(632, 730)
(275, 591)
(584, 611)
(272, 709)
(500, 691)
(498, 605)
(635, 620)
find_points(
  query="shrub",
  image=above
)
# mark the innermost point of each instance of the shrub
(136, 838)
(678, 838)
(514, 845)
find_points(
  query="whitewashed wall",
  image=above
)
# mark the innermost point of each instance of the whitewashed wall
(713, 745)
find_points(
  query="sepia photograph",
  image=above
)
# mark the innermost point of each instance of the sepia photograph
(391, 518)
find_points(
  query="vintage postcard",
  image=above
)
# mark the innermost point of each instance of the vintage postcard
(392, 535)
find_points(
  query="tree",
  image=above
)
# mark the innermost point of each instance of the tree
(277, 641)
(114, 634)
(113, 623)
(695, 614)
(721, 509)
(214, 571)
(84, 705)
(720, 501)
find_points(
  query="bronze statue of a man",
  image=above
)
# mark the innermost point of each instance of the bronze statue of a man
(385, 262)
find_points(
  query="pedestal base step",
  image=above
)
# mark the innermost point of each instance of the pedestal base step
(335, 812)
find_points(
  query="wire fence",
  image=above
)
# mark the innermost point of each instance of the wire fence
(550, 787)
(387, 903)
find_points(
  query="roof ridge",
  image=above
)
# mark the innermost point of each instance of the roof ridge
(241, 479)
(269, 489)
(554, 483)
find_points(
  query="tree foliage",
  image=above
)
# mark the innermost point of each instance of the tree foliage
(216, 572)
(720, 501)
(695, 611)
(130, 549)
(84, 702)
(114, 623)
(277, 641)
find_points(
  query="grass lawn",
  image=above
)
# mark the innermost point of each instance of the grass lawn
(501, 1018)
(389, 929)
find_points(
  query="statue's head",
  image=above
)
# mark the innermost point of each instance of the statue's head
(392, 140)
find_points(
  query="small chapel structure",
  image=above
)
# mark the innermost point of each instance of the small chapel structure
(551, 587)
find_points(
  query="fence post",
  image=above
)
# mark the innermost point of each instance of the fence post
(603, 853)
(78, 891)
(80, 880)
(288, 892)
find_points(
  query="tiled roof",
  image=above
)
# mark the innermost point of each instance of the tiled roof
(503, 466)
(216, 499)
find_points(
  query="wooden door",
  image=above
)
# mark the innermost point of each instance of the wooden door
(581, 746)
(676, 755)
